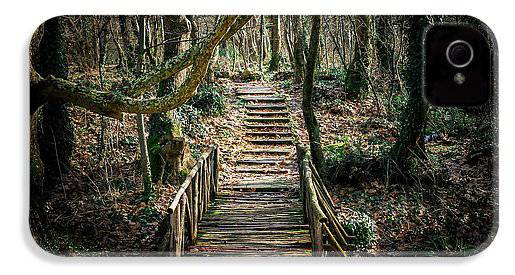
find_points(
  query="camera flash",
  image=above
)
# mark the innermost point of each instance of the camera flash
(459, 78)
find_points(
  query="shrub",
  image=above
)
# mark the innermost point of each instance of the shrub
(350, 163)
(209, 100)
(451, 121)
(189, 117)
(361, 227)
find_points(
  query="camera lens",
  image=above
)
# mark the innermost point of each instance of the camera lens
(459, 53)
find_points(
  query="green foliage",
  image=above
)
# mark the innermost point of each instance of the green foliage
(398, 103)
(451, 121)
(347, 162)
(209, 100)
(196, 150)
(148, 214)
(189, 117)
(338, 152)
(286, 84)
(362, 228)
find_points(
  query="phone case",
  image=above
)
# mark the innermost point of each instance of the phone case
(267, 135)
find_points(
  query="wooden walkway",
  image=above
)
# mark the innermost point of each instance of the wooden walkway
(261, 213)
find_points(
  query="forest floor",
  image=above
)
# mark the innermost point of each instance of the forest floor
(99, 207)
(454, 213)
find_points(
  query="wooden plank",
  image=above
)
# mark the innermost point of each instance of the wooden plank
(257, 227)
(258, 187)
(262, 171)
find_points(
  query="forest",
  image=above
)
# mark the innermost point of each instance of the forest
(267, 135)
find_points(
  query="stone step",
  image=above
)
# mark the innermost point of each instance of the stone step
(257, 92)
(267, 151)
(271, 141)
(257, 88)
(266, 106)
(268, 119)
(262, 98)
(269, 134)
(261, 161)
(269, 113)
(265, 126)
(260, 212)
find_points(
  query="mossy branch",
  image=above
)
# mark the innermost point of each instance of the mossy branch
(114, 103)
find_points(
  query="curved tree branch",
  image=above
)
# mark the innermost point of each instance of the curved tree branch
(178, 63)
(114, 103)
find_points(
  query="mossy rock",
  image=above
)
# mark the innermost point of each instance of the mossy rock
(248, 75)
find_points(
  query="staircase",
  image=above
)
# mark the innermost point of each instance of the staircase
(260, 214)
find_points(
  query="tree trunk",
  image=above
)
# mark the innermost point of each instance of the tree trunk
(359, 64)
(163, 125)
(261, 41)
(287, 40)
(298, 49)
(126, 41)
(275, 58)
(310, 120)
(145, 160)
(413, 118)
(140, 119)
(52, 143)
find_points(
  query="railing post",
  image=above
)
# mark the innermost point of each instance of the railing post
(189, 212)
(175, 222)
(190, 203)
(216, 166)
(182, 221)
(205, 186)
(200, 191)
(318, 247)
(194, 208)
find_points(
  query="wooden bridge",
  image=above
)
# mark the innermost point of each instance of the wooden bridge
(278, 206)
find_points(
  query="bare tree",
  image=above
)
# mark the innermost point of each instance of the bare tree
(310, 120)
(275, 35)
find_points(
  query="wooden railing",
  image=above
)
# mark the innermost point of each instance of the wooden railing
(190, 203)
(327, 233)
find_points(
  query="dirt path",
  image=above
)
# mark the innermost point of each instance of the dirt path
(257, 211)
